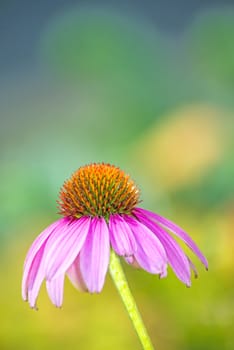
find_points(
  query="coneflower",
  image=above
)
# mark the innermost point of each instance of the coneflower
(101, 217)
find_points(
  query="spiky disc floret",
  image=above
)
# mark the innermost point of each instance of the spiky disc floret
(98, 190)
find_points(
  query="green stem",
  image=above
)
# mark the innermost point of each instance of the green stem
(121, 284)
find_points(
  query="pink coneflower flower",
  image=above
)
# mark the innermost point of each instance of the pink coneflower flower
(99, 205)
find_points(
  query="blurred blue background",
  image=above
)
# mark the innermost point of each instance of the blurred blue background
(147, 86)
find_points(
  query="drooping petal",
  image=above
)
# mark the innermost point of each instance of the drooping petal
(131, 260)
(63, 247)
(75, 276)
(29, 272)
(121, 237)
(176, 257)
(150, 253)
(193, 267)
(163, 274)
(55, 290)
(36, 277)
(176, 230)
(95, 255)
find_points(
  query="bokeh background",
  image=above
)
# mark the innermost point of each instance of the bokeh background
(145, 85)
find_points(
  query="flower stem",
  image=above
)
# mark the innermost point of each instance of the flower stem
(121, 284)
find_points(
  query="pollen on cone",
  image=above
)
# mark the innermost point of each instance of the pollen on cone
(98, 190)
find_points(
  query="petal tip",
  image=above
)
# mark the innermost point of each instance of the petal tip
(95, 290)
(34, 307)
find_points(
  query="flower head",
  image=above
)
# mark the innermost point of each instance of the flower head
(99, 205)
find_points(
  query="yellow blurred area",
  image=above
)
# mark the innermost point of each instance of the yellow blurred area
(183, 147)
(225, 239)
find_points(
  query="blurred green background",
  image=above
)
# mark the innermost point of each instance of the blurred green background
(147, 86)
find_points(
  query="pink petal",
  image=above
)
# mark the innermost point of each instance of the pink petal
(177, 231)
(63, 247)
(75, 276)
(193, 267)
(55, 290)
(176, 257)
(34, 249)
(132, 261)
(121, 236)
(35, 277)
(150, 253)
(95, 254)
(163, 274)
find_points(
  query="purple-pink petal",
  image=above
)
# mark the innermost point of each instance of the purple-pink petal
(41, 238)
(193, 267)
(121, 237)
(150, 253)
(75, 276)
(131, 260)
(94, 256)
(29, 271)
(63, 246)
(176, 230)
(176, 257)
(55, 290)
(35, 277)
